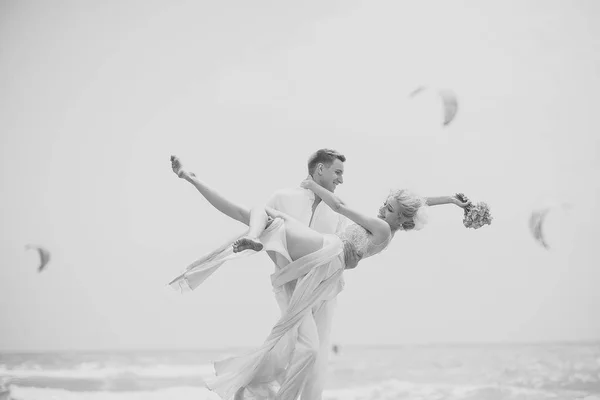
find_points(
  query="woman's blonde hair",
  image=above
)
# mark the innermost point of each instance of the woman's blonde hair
(413, 207)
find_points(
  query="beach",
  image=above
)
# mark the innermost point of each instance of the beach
(429, 372)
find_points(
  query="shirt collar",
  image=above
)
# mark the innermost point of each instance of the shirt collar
(309, 194)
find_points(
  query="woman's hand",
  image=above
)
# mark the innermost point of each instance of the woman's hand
(307, 183)
(461, 200)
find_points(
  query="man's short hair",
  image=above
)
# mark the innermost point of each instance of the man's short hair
(325, 157)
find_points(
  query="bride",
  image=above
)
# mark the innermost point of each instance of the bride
(314, 274)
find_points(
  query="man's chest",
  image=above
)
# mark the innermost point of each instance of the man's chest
(318, 216)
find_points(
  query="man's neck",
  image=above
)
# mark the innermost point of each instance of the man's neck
(317, 198)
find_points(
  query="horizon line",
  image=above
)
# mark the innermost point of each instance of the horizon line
(341, 344)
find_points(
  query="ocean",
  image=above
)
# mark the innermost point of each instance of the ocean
(425, 372)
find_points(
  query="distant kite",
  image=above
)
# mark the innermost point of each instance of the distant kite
(536, 223)
(44, 255)
(449, 101)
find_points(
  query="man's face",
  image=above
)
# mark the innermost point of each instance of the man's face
(330, 177)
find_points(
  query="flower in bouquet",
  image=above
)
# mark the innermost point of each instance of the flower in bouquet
(476, 215)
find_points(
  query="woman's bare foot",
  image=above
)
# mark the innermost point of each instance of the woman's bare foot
(247, 243)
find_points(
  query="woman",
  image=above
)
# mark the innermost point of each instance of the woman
(279, 368)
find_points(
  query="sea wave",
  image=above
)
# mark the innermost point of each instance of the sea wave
(180, 393)
(95, 371)
(386, 390)
(108, 379)
(396, 389)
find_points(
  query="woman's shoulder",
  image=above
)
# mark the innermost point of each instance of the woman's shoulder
(382, 231)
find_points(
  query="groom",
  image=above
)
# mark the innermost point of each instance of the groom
(326, 167)
(305, 372)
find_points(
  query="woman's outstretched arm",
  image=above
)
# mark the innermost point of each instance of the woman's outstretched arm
(217, 200)
(376, 226)
(436, 201)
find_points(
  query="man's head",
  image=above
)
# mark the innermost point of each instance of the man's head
(326, 167)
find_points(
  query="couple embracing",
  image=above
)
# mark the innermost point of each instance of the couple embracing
(312, 236)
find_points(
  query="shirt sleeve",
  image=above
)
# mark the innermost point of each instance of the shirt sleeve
(273, 201)
(343, 223)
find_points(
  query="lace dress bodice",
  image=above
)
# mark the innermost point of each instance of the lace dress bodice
(358, 240)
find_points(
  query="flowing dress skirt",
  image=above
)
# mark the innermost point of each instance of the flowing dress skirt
(305, 283)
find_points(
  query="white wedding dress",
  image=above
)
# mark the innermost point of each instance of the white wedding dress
(271, 371)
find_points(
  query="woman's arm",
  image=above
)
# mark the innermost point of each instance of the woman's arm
(376, 226)
(436, 201)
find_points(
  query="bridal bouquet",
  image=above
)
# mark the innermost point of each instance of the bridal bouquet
(476, 215)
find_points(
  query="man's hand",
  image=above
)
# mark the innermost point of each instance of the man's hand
(351, 257)
(273, 213)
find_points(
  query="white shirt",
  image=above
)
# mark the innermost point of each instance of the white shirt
(298, 202)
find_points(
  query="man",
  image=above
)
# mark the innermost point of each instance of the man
(326, 167)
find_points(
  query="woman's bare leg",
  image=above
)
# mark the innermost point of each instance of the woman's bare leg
(301, 240)
(217, 200)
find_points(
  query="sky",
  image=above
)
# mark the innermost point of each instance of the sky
(96, 96)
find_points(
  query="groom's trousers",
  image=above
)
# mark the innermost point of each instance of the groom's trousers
(313, 340)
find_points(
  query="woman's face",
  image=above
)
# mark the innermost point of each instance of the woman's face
(393, 213)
